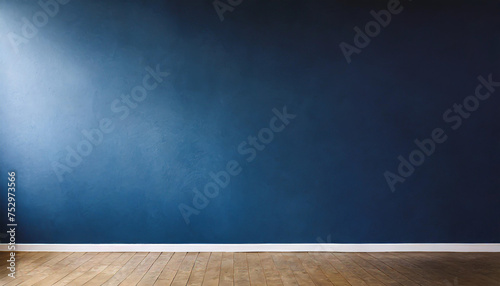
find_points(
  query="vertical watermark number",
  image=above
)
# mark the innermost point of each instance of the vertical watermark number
(11, 225)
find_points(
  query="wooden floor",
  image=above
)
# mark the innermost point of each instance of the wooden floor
(180, 268)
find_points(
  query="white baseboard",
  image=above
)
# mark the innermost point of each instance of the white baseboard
(288, 247)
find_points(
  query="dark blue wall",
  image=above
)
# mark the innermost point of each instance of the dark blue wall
(321, 176)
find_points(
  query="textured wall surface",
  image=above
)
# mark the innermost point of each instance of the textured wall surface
(126, 121)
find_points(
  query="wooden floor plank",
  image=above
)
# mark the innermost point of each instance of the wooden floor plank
(429, 275)
(422, 278)
(126, 270)
(241, 275)
(213, 270)
(389, 271)
(152, 274)
(447, 270)
(314, 270)
(95, 270)
(182, 276)
(298, 270)
(284, 269)
(255, 270)
(168, 273)
(136, 276)
(358, 271)
(27, 266)
(273, 277)
(374, 271)
(66, 266)
(200, 266)
(331, 272)
(82, 268)
(22, 258)
(484, 266)
(23, 266)
(350, 274)
(41, 271)
(226, 269)
(109, 271)
(275, 269)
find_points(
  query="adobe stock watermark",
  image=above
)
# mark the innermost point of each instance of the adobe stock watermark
(12, 223)
(448, 283)
(321, 242)
(248, 148)
(222, 7)
(372, 29)
(454, 117)
(29, 29)
(120, 106)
